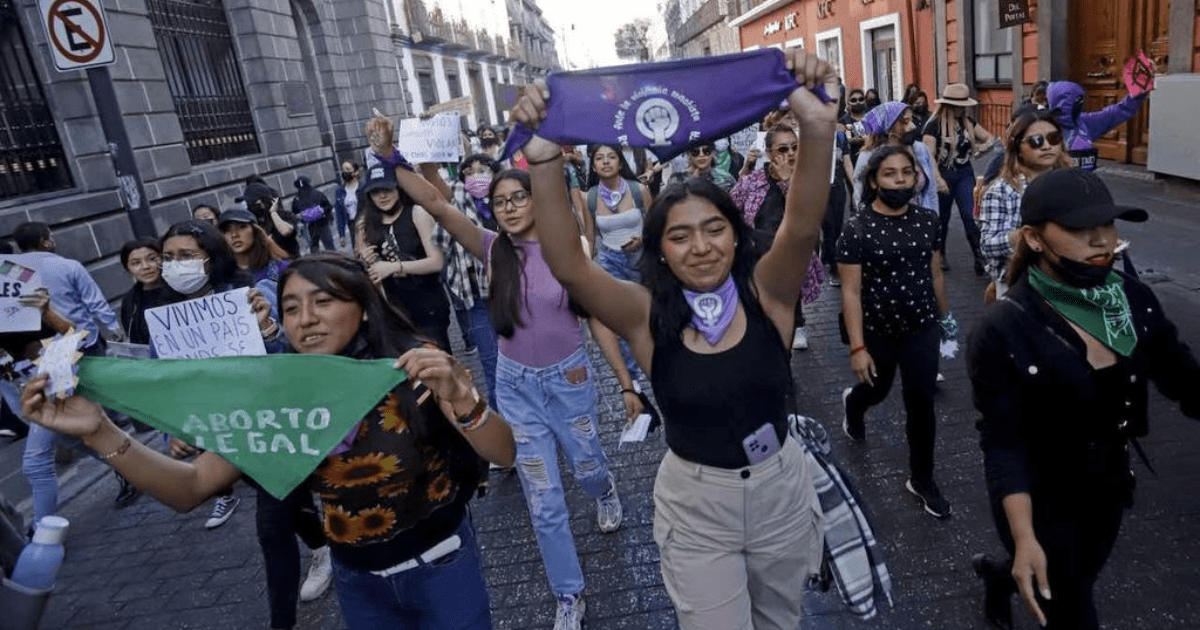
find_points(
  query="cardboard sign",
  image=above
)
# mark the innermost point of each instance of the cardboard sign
(16, 280)
(462, 105)
(432, 140)
(1139, 74)
(217, 325)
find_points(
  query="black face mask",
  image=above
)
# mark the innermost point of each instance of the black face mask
(896, 198)
(921, 109)
(858, 108)
(1077, 274)
(487, 142)
(911, 137)
(347, 176)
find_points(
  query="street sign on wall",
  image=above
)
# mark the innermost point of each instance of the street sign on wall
(78, 33)
(1013, 12)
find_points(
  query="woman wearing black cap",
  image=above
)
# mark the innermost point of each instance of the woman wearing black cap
(253, 250)
(1059, 370)
(395, 237)
(263, 202)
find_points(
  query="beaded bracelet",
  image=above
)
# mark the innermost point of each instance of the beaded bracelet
(121, 450)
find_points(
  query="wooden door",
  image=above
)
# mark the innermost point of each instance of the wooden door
(1106, 34)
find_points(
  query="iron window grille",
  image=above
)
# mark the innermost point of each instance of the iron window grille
(31, 153)
(205, 78)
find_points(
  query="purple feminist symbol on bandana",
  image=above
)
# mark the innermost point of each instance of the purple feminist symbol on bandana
(713, 312)
(658, 120)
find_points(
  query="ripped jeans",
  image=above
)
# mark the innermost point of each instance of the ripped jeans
(550, 408)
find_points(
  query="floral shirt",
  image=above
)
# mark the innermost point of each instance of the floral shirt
(748, 195)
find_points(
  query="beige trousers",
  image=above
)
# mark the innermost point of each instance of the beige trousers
(737, 546)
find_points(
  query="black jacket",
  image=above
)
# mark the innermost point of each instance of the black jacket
(1047, 429)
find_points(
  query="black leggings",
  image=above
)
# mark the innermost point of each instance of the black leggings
(917, 358)
(278, 523)
(1077, 537)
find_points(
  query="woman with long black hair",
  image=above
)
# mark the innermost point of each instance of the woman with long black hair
(736, 519)
(396, 239)
(1060, 371)
(331, 308)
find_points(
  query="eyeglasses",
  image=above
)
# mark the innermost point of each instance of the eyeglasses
(1038, 141)
(519, 199)
(698, 151)
(786, 148)
(184, 256)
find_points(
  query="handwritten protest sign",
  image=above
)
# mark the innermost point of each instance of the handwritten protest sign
(217, 325)
(274, 417)
(16, 280)
(744, 140)
(433, 140)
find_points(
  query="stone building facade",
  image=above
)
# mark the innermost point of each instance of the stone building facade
(212, 91)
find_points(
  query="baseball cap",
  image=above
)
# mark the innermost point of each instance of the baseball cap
(1073, 198)
(379, 178)
(235, 215)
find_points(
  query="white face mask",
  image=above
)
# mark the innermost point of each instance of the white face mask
(185, 276)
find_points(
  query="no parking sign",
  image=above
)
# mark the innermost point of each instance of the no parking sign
(78, 33)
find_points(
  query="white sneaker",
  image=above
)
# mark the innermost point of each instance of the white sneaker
(608, 509)
(800, 339)
(570, 612)
(223, 508)
(940, 378)
(320, 574)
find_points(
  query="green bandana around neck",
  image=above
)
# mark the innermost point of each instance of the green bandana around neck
(1102, 311)
(723, 158)
(274, 417)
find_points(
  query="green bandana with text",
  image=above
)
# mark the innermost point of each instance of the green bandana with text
(1102, 311)
(274, 417)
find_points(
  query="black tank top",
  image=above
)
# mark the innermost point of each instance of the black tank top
(420, 295)
(711, 402)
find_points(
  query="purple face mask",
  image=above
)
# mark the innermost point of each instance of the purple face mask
(477, 185)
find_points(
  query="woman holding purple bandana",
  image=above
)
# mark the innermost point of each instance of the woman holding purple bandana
(736, 519)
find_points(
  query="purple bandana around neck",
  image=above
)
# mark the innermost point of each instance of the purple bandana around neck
(612, 198)
(713, 312)
(664, 107)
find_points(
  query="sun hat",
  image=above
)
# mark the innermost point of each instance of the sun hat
(957, 94)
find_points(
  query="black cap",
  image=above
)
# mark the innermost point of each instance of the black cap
(235, 215)
(380, 178)
(1073, 198)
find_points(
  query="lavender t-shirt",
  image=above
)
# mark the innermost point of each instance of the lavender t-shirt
(550, 332)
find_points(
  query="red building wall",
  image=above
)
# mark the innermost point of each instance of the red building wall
(915, 32)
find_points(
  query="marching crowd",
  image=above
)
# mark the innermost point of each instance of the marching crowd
(690, 274)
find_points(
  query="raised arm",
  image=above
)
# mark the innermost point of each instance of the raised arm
(180, 485)
(1101, 122)
(781, 270)
(622, 306)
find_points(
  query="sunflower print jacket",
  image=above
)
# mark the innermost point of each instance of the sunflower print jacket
(397, 475)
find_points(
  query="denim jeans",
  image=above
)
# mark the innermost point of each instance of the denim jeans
(551, 408)
(447, 594)
(961, 182)
(38, 466)
(278, 523)
(320, 233)
(476, 325)
(622, 266)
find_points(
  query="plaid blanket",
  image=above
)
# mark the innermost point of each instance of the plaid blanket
(853, 558)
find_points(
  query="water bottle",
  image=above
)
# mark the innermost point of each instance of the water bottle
(40, 560)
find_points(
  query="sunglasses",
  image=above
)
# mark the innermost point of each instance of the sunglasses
(786, 148)
(698, 151)
(856, 99)
(1038, 141)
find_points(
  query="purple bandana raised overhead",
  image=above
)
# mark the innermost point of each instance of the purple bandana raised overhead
(664, 107)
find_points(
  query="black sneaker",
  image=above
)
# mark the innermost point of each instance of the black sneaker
(931, 498)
